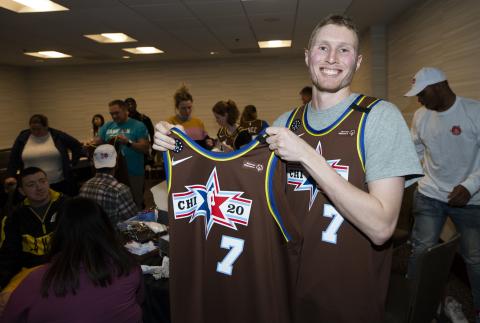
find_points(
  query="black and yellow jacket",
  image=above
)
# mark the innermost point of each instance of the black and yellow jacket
(25, 237)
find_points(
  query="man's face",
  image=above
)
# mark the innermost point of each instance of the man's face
(36, 188)
(184, 110)
(131, 105)
(333, 59)
(118, 114)
(430, 98)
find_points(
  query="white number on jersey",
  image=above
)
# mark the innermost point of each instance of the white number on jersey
(236, 247)
(330, 235)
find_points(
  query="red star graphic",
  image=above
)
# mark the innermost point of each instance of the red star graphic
(217, 201)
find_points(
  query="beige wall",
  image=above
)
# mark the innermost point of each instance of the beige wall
(71, 95)
(440, 33)
(13, 103)
(362, 82)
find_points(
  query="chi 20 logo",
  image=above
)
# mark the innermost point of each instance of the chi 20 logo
(226, 208)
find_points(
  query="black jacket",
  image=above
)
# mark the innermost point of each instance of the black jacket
(25, 238)
(63, 142)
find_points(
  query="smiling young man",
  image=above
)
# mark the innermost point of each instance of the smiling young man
(347, 219)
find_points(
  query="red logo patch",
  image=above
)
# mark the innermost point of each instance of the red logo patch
(456, 130)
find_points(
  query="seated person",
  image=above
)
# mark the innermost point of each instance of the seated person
(230, 135)
(250, 121)
(114, 197)
(90, 276)
(25, 235)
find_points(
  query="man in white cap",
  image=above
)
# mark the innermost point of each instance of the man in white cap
(114, 197)
(446, 133)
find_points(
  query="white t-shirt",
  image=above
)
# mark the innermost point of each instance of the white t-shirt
(449, 144)
(41, 152)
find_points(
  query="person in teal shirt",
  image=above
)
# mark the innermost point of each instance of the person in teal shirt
(131, 139)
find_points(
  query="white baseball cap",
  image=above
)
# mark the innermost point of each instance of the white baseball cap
(425, 77)
(105, 156)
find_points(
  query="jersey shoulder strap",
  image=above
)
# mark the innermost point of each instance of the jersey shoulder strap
(365, 104)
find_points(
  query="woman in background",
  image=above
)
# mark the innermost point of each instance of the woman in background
(230, 135)
(193, 127)
(97, 122)
(250, 121)
(48, 149)
(90, 278)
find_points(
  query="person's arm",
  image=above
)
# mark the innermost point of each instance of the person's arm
(10, 249)
(463, 192)
(127, 207)
(15, 159)
(73, 144)
(419, 146)
(374, 213)
(141, 145)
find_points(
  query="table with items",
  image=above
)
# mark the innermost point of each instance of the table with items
(146, 237)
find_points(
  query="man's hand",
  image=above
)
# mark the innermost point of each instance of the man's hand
(122, 139)
(287, 145)
(459, 196)
(161, 141)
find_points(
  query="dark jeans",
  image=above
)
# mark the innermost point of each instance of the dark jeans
(430, 216)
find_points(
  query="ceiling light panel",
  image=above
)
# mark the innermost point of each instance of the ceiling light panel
(48, 54)
(275, 43)
(107, 38)
(29, 6)
(143, 50)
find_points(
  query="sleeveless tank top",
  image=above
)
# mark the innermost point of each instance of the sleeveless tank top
(233, 242)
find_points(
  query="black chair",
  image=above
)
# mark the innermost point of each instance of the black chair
(416, 300)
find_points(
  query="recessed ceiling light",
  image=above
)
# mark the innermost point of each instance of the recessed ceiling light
(26, 6)
(213, 53)
(275, 43)
(126, 57)
(143, 50)
(48, 54)
(111, 38)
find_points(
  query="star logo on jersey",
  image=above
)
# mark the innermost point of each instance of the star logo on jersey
(225, 208)
(297, 178)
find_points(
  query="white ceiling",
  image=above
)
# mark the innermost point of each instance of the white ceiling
(184, 29)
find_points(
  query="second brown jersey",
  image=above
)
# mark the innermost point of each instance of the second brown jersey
(343, 277)
(233, 242)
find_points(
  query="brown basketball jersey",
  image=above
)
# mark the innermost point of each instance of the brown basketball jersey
(233, 242)
(254, 126)
(229, 138)
(343, 277)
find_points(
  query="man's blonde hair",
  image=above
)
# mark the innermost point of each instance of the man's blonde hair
(338, 20)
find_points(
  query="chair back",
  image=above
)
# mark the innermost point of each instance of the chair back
(432, 271)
